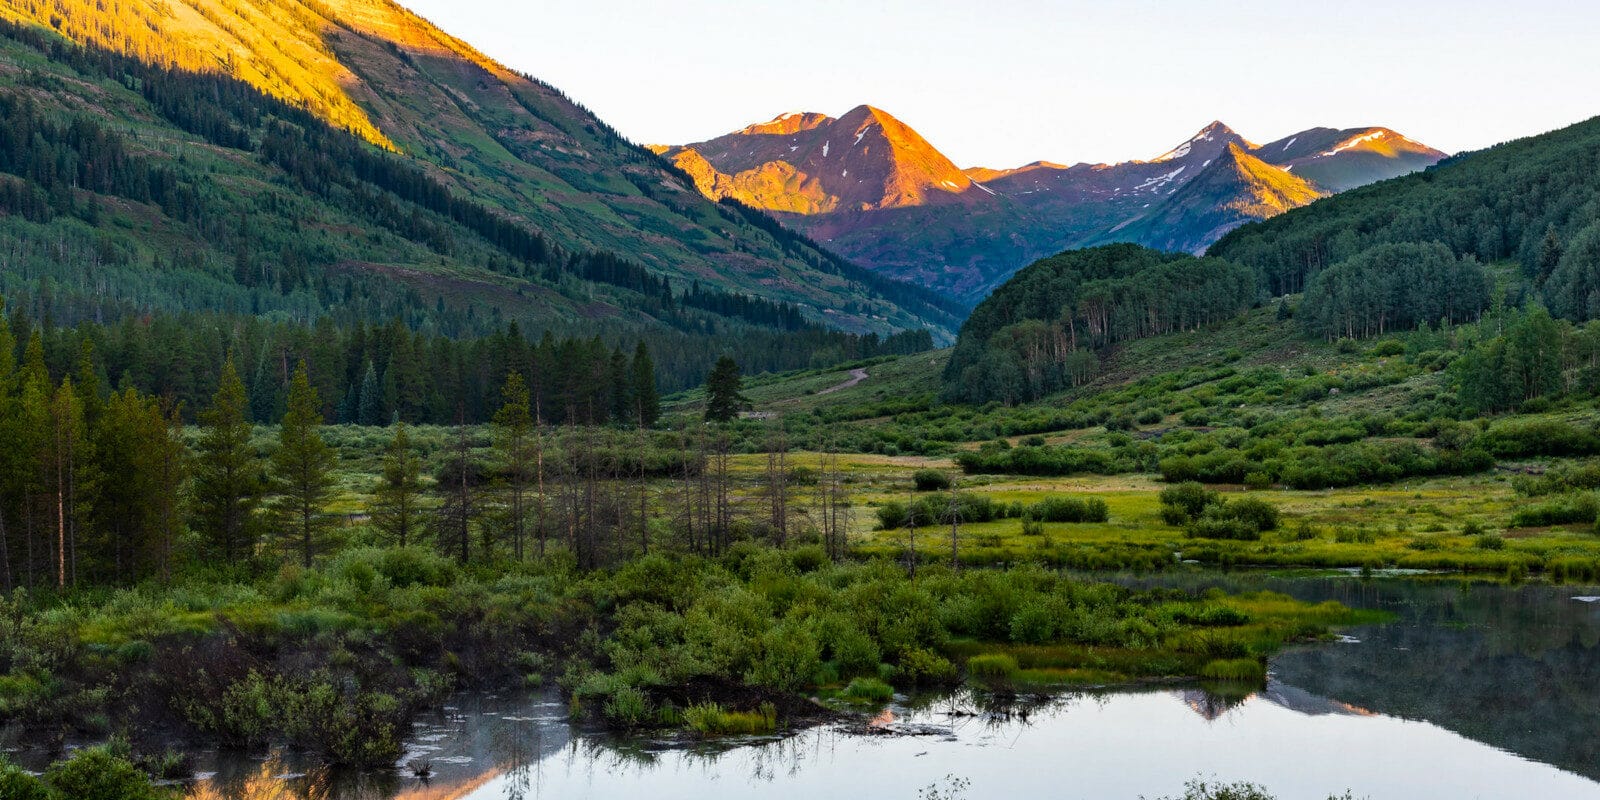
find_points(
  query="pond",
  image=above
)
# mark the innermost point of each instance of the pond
(1477, 691)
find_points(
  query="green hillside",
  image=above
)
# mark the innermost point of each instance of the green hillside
(1532, 201)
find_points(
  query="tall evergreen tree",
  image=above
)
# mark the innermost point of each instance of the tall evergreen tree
(396, 499)
(724, 399)
(642, 388)
(369, 403)
(513, 425)
(302, 466)
(228, 478)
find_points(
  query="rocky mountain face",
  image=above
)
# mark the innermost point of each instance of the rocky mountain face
(872, 189)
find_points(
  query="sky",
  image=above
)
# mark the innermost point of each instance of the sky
(1001, 83)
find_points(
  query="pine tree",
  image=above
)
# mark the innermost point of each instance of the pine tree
(228, 478)
(642, 388)
(723, 387)
(369, 404)
(513, 423)
(302, 466)
(396, 499)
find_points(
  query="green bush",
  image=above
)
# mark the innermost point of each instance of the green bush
(930, 480)
(868, 690)
(628, 707)
(1070, 509)
(15, 784)
(1489, 541)
(1575, 507)
(922, 667)
(1186, 501)
(95, 774)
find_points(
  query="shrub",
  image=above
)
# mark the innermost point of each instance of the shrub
(1538, 437)
(926, 668)
(1070, 509)
(627, 707)
(15, 784)
(1576, 507)
(1188, 500)
(1212, 527)
(868, 690)
(1260, 514)
(930, 480)
(95, 774)
(1488, 541)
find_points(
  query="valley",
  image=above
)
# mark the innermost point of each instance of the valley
(872, 189)
(378, 422)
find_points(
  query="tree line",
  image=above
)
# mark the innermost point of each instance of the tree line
(1042, 330)
(293, 245)
(1530, 201)
(109, 487)
(1393, 287)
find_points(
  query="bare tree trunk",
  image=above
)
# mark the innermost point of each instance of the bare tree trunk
(688, 496)
(5, 551)
(538, 457)
(955, 531)
(644, 497)
(911, 534)
(778, 487)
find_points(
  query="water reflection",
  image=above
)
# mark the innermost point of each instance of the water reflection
(1465, 696)
(1516, 667)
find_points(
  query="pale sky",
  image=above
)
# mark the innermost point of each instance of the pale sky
(1000, 83)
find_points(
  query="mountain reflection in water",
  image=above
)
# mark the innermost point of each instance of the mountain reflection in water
(1474, 692)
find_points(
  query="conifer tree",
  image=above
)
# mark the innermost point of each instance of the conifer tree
(642, 388)
(513, 424)
(723, 387)
(396, 507)
(302, 466)
(369, 402)
(228, 477)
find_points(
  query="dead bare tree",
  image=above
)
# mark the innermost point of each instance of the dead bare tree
(778, 486)
(953, 513)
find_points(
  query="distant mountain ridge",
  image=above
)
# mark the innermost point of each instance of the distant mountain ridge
(875, 191)
(514, 143)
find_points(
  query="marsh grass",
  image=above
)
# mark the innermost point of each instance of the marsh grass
(711, 719)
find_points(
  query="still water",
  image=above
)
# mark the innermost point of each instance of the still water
(1476, 692)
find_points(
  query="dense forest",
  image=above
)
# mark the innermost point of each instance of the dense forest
(1393, 287)
(282, 218)
(1039, 333)
(1530, 201)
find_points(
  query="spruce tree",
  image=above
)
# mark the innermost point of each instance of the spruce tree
(513, 425)
(723, 387)
(369, 403)
(228, 477)
(642, 388)
(302, 466)
(395, 509)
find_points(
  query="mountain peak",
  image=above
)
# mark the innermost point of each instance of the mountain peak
(1206, 144)
(789, 122)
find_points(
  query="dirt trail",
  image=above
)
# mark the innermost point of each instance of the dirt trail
(856, 376)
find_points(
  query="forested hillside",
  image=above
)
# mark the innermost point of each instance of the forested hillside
(129, 191)
(516, 145)
(1040, 332)
(1532, 201)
